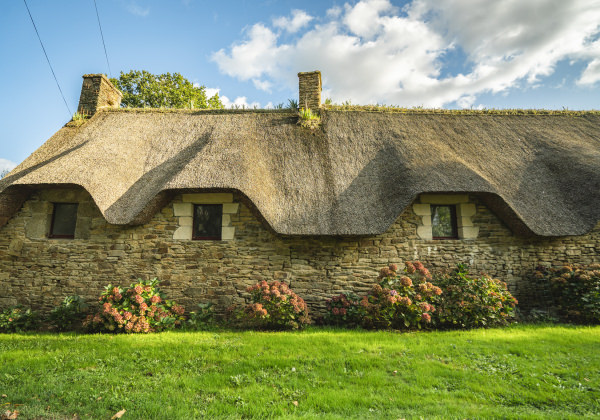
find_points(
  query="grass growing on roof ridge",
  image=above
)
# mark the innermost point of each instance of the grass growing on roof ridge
(519, 372)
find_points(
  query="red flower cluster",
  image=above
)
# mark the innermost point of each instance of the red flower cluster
(140, 308)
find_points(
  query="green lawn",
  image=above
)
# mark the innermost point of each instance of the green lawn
(517, 372)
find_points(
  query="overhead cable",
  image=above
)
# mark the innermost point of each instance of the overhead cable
(47, 59)
(102, 36)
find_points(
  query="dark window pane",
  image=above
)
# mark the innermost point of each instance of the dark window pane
(207, 221)
(443, 221)
(64, 218)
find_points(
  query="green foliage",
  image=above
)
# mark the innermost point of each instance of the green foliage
(293, 105)
(142, 89)
(308, 119)
(343, 310)
(400, 301)
(469, 302)
(522, 372)
(69, 314)
(575, 290)
(80, 116)
(141, 308)
(274, 307)
(18, 318)
(202, 318)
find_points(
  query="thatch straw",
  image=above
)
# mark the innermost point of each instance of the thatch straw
(354, 176)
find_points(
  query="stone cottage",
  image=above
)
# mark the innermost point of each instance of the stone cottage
(213, 201)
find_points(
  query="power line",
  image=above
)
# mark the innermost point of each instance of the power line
(102, 36)
(47, 59)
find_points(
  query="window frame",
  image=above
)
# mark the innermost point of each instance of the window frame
(207, 238)
(453, 221)
(52, 235)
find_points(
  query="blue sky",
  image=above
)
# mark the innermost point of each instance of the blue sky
(455, 53)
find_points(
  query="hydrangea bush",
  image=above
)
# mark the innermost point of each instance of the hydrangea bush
(18, 318)
(400, 300)
(575, 290)
(343, 310)
(274, 306)
(141, 308)
(469, 302)
(69, 314)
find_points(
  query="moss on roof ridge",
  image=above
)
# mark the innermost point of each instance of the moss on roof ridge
(367, 108)
(442, 111)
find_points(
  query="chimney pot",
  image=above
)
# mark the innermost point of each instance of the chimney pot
(309, 88)
(97, 92)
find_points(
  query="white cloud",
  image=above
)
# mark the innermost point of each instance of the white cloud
(372, 52)
(137, 10)
(6, 165)
(239, 102)
(298, 20)
(591, 74)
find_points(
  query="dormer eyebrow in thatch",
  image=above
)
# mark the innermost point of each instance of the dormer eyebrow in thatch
(540, 173)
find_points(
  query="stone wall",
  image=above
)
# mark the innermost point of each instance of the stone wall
(309, 90)
(41, 272)
(97, 92)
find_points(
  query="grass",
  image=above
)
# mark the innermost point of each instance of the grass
(518, 372)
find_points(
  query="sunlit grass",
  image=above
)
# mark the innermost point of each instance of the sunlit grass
(519, 372)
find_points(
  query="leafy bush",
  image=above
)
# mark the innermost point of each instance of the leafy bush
(469, 302)
(274, 307)
(343, 310)
(400, 301)
(139, 308)
(200, 319)
(575, 290)
(18, 318)
(69, 314)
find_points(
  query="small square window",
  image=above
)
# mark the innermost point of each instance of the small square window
(443, 222)
(64, 219)
(207, 222)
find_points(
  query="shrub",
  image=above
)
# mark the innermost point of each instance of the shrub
(200, 319)
(69, 314)
(139, 308)
(575, 291)
(274, 307)
(400, 301)
(469, 302)
(18, 318)
(343, 310)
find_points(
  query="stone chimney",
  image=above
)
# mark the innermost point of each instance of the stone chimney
(309, 90)
(97, 92)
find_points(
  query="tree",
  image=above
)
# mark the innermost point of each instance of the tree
(142, 89)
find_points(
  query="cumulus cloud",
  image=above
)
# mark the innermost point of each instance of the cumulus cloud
(373, 52)
(292, 24)
(6, 165)
(239, 102)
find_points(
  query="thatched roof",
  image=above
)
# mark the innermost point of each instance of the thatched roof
(539, 173)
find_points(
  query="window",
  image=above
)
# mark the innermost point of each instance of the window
(64, 219)
(443, 222)
(207, 222)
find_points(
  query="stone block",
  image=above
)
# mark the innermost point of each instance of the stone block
(464, 221)
(468, 232)
(186, 221)
(424, 232)
(226, 220)
(208, 198)
(227, 233)
(37, 227)
(231, 208)
(183, 233)
(183, 209)
(422, 209)
(444, 198)
(15, 247)
(466, 210)
(83, 228)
